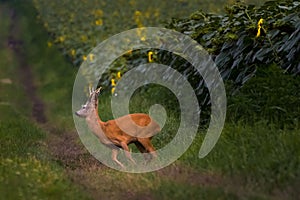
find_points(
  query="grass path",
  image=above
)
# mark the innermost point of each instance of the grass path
(26, 172)
(25, 71)
(65, 150)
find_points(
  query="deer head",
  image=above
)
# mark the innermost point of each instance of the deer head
(91, 105)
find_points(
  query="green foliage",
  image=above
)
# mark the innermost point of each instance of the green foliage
(77, 26)
(237, 47)
(241, 41)
(233, 40)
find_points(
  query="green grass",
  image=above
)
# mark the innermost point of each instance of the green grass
(30, 178)
(271, 95)
(20, 137)
(26, 172)
(77, 26)
(178, 191)
(259, 153)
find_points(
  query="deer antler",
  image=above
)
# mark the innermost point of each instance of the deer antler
(98, 90)
(90, 90)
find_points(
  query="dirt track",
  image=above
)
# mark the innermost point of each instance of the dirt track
(63, 147)
(26, 77)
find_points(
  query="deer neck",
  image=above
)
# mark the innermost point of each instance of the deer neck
(96, 125)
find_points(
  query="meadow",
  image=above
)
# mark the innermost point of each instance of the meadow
(256, 157)
(26, 171)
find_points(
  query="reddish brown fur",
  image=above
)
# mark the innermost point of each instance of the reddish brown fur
(141, 131)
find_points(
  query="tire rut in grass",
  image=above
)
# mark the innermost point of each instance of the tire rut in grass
(25, 72)
(63, 147)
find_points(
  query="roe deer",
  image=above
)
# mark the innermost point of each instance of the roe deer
(141, 126)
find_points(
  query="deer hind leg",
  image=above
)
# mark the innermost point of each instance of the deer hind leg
(142, 149)
(114, 157)
(148, 146)
(127, 152)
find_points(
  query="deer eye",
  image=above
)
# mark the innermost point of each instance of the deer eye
(83, 106)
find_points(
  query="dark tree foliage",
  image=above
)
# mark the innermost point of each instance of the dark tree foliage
(240, 41)
(235, 44)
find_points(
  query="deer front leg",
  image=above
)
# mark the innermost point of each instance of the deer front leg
(114, 157)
